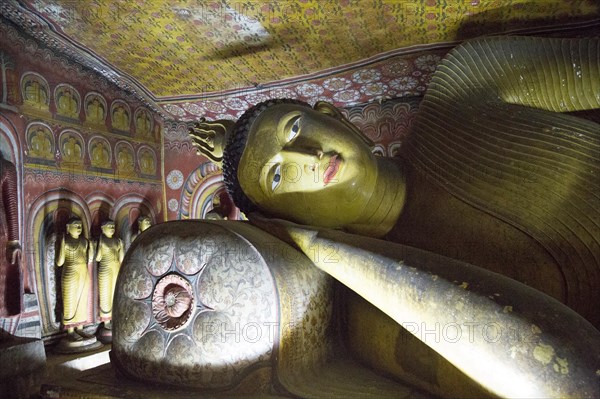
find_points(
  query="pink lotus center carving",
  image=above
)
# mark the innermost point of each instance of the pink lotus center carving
(172, 302)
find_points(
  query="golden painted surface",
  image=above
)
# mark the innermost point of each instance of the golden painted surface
(34, 91)
(67, 101)
(95, 109)
(100, 155)
(71, 149)
(147, 162)
(175, 48)
(40, 142)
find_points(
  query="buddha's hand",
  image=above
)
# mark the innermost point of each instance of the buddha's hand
(280, 228)
(13, 255)
(13, 252)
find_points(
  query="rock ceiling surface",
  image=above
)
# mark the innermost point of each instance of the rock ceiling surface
(179, 54)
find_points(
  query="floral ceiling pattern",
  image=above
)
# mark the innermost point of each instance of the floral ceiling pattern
(402, 76)
(184, 56)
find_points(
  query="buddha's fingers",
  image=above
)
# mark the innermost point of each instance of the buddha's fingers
(559, 75)
(514, 340)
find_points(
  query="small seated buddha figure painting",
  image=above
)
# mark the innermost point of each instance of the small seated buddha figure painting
(147, 162)
(40, 142)
(71, 149)
(95, 109)
(143, 123)
(34, 91)
(120, 116)
(67, 102)
(125, 161)
(100, 154)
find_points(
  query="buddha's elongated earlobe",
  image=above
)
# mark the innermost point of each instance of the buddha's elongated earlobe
(329, 109)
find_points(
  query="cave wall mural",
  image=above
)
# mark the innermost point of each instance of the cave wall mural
(86, 142)
(82, 147)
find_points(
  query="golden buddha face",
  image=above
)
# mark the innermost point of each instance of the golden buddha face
(74, 229)
(108, 229)
(143, 224)
(304, 165)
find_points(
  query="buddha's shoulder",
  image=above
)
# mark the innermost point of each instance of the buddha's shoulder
(437, 221)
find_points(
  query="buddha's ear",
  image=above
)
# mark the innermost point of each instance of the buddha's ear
(329, 109)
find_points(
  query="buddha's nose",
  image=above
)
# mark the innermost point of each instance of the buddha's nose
(311, 167)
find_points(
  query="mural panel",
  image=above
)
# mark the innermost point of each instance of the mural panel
(71, 161)
(95, 109)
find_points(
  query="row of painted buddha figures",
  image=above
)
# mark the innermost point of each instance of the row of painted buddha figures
(68, 103)
(75, 254)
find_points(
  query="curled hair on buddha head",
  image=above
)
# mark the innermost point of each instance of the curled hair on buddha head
(74, 219)
(235, 148)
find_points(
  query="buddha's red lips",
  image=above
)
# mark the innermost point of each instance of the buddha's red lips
(331, 171)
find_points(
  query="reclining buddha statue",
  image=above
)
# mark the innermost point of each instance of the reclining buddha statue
(482, 239)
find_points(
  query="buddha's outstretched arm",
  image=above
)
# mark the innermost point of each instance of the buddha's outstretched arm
(511, 339)
(553, 74)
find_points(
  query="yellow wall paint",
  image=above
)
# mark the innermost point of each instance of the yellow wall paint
(177, 47)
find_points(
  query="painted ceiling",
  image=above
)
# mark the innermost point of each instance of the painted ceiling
(184, 57)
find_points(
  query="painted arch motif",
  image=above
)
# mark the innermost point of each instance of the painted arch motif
(120, 116)
(35, 91)
(147, 161)
(126, 212)
(100, 153)
(67, 101)
(202, 192)
(46, 221)
(11, 149)
(40, 141)
(72, 147)
(95, 108)
(125, 159)
(144, 123)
